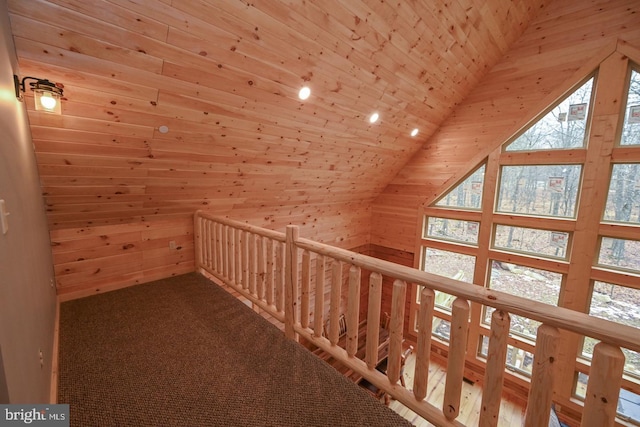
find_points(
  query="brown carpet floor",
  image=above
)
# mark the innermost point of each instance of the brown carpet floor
(184, 352)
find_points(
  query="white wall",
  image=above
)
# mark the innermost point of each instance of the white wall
(27, 299)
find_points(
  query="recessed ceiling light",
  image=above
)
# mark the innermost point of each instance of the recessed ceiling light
(374, 117)
(414, 132)
(304, 93)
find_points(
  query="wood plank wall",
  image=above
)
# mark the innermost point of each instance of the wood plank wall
(94, 259)
(91, 260)
(562, 39)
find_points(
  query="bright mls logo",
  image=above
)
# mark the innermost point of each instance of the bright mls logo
(36, 415)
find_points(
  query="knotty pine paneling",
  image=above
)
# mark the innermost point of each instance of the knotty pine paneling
(105, 256)
(90, 260)
(224, 76)
(550, 57)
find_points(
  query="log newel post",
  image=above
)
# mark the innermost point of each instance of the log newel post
(291, 282)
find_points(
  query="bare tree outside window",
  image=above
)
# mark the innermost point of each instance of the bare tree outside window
(468, 194)
(563, 127)
(546, 190)
(631, 127)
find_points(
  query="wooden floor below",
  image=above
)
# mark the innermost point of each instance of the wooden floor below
(511, 413)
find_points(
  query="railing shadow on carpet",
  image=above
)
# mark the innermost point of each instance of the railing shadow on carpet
(281, 273)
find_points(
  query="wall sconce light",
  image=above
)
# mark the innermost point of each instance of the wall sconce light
(47, 94)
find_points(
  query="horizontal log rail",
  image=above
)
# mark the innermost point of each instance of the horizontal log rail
(281, 273)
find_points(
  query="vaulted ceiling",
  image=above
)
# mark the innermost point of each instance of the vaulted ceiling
(223, 78)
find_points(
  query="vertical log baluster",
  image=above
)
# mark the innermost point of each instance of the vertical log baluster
(457, 353)
(237, 256)
(245, 259)
(542, 376)
(423, 349)
(396, 325)
(334, 309)
(494, 372)
(353, 310)
(207, 244)
(202, 236)
(373, 319)
(279, 279)
(228, 246)
(306, 289)
(291, 282)
(227, 257)
(253, 263)
(268, 282)
(261, 268)
(197, 237)
(221, 253)
(231, 257)
(217, 254)
(318, 315)
(603, 388)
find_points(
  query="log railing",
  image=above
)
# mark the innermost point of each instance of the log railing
(282, 273)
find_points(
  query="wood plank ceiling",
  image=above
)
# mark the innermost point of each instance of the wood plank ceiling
(223, 76)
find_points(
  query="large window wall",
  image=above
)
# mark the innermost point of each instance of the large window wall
(554, 216)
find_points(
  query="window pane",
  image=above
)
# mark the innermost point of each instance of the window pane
(628, 402)
(441, 328)
(443, 300)
(539, 190)
(618, 304)
(531, 240)
(620, 253)
(468, 194)
(532, 283)
(631, 128)
(632, 358)
(452, 229)
(518, 359)
(450, 264)
(562, 127)
(623, 200)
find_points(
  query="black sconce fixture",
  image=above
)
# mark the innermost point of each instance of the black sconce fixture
(47, 94)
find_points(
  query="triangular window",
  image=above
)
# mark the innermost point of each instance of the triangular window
(561, 128)
(467, 194)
